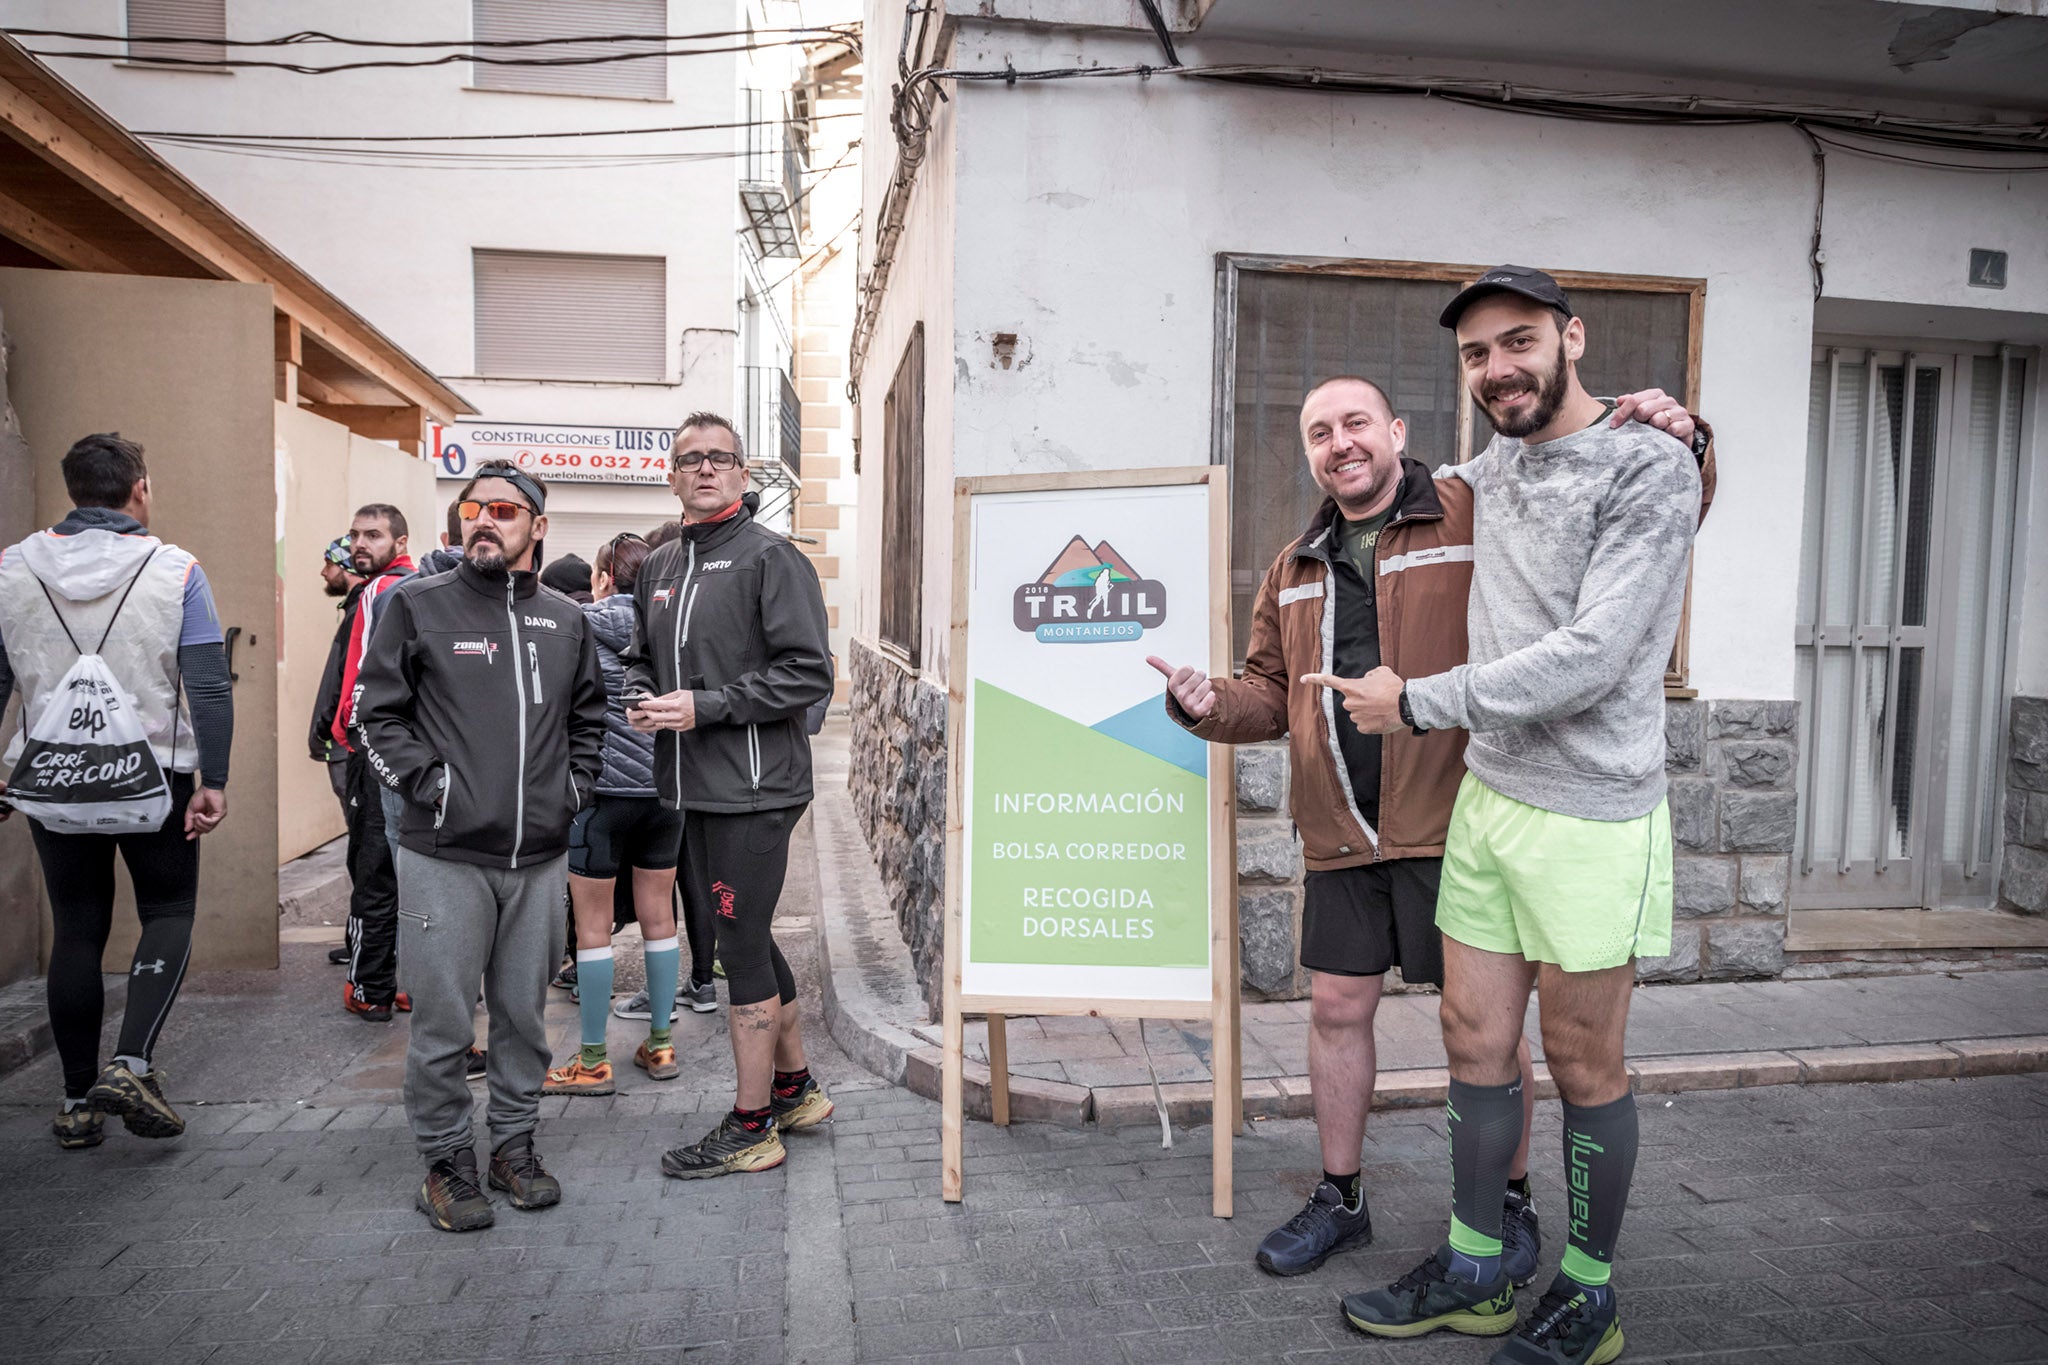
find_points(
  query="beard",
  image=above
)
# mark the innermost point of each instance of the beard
(486, 552)
(336, 589)
(367, 565)
(1550, 389)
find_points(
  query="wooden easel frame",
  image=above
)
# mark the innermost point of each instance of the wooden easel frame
(1222, 1009)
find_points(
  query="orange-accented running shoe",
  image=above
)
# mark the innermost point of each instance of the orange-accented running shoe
(402, 1003)
(578, 1079)
(658, 1062)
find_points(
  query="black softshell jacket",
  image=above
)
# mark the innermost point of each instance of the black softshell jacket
(481, 703)
(732, 612)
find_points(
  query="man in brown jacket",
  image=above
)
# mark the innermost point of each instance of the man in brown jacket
(1380, 577)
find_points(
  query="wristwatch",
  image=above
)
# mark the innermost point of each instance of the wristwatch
(1408, 716)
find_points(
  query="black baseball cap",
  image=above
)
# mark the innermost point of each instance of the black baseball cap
(1508, 279)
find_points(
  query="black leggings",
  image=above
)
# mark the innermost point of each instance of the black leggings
(78, 869)
(736, 865)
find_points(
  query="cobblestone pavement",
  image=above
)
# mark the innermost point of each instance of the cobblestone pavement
(1804, 1225)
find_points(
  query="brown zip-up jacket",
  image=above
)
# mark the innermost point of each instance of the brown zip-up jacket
(1424, 576)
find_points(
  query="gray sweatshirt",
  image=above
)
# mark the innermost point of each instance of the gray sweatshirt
(1579, 555)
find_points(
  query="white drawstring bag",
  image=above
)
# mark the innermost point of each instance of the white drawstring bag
(86, 766)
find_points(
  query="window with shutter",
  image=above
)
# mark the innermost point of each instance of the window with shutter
(902, 615)
(597, 65)
(550, 315)
(1290, 324)
(206, 19)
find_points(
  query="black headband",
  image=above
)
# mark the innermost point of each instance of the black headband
(520, 480)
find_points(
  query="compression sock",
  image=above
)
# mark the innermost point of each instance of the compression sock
(1599, 1162)
(1485, 1125)
(664, 962)
(754, 1120)
(660, 1037)
(594, 998)
(1352, 1187)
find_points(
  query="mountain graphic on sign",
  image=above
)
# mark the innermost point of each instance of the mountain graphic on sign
(1078, 565)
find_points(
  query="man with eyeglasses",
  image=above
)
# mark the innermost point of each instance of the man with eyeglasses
(729, 649)
(482, 705)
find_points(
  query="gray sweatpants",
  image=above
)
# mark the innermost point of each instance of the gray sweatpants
(458, 922)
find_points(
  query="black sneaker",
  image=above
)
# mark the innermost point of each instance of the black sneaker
(1323, 1228)
(728, 1149)
(79, 1128)
(565, 976)
(516, 1169)
(1429, 1298)
(139, 1100)
(1521, 1242)
(1567, 1328)
(477, 1065)
(450, 1198)
(338, 956)
(807, 1106)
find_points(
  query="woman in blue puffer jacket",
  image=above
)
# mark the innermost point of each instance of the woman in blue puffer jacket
(625, 829)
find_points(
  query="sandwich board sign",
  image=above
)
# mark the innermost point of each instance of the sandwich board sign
(1090, 851)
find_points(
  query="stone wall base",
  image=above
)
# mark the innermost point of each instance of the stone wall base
(2023, 883)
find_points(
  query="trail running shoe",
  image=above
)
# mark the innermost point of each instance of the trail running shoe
(633, 1006)
(338, 956)
(700, 996)
(1323, 1228)
(516, 1169)
(658, 1062)
(402, 1003)
(1566, 1329)
(139, 1100)
(79, 1128)
(565, 975)
(1429, 1298)
(477, 1065)
(1521, 1242)
(725, 1150)
(578, 1079)
(355, 1004)
(807, 1106)
(450, 1197)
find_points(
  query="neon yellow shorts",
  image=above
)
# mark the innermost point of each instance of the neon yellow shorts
(1584, 894)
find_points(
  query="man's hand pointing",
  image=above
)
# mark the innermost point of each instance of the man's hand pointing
(1191, 688)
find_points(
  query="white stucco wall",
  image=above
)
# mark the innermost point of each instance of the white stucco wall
(1089, 215)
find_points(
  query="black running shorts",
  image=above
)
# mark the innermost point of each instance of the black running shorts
(1359, 921)
(624, 831)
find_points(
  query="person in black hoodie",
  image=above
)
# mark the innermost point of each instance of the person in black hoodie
(481, 704)
(729, 649)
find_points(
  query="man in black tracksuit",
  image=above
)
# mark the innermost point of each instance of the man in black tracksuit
(729, 649)
(481, 705)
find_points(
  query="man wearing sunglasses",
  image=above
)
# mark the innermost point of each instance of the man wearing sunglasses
(481, 704)
(729, 649)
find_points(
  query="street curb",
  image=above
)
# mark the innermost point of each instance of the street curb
(857, 944)
(860, 955)
(25, 1018)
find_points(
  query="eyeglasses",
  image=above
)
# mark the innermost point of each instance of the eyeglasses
(500, 510)
(717, 459)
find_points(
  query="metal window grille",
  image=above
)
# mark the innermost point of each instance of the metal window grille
(177, 19)
(549, 315)
(634, 78)
(902, 614)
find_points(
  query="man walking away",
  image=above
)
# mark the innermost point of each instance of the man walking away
(729, 650)
(481, 704)
(377, 542)
(1557, 866)
(100, 573)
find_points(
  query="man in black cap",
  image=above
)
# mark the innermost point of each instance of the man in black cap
(1557, 869)
(481, 704)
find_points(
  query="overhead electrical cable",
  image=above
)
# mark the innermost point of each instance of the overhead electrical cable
(490, 137)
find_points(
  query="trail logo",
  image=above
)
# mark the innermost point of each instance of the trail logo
(1089, 594)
